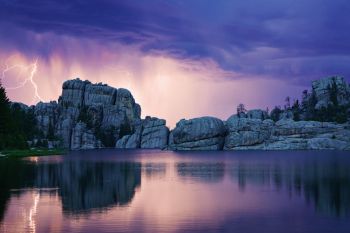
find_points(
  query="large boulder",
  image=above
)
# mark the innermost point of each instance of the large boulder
(244, 132)
(154, 134)
(204, 133)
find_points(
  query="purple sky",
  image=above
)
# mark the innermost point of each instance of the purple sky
(180, 59)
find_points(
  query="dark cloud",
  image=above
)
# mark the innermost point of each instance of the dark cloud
(292, 39)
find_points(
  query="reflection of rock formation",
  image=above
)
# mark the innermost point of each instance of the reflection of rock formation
(326, 186)
(208, 172)
(154, 170)
(86, 185)
(82, 185)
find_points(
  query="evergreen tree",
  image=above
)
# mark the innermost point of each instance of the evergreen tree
(241, 109)
(275, 113)
(4, 111)
(296, 110)
(333, 92)
(5, 118)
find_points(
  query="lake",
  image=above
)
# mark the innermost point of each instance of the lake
(162, 191)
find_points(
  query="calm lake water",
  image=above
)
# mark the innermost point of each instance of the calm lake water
(163, 191)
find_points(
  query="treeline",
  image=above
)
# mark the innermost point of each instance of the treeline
(17, 125)
(306, 110)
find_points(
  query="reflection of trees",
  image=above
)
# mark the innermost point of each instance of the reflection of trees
(82, 185)
(14, 174)
(208, 172)
(327, 186)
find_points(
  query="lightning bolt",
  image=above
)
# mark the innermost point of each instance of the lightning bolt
(32, 68)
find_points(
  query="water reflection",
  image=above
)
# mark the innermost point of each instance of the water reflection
(179, 191)
(325, 184)
(154, 170)
(82, 185)
(85, 185)
(205, 172)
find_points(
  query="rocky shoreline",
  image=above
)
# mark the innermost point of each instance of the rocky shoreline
(89, 116)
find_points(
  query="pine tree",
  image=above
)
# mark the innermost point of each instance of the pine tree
(296, 110)
(4, 110)
(333, 92)
(275, 113)
(5, 118)
(241, 110)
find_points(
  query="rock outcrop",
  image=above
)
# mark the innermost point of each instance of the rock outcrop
(245, 133)
(46, 115)
(89, 116)
(151, 133)
(204, 133)
(85, 111)
(84, 138)
(154, 134)
(322, 89)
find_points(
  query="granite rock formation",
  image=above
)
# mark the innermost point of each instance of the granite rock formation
(322, 91)
(204, 133)
(150, 133)
(85, 112)
(89, 116)
(244, 133)
(84, 138)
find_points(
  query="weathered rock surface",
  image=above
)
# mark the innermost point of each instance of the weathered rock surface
(99, 106)
(205, 133)
(91, 115)
(244, 133)
(152, 133)
(84, 138)
(131, 141)
(322, 87)
(46, 115)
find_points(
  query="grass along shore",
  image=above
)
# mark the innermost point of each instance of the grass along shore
(32, 152)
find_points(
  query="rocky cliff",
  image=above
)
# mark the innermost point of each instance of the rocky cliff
(89, 116)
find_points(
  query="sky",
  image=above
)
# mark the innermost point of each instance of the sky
(180, 59)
